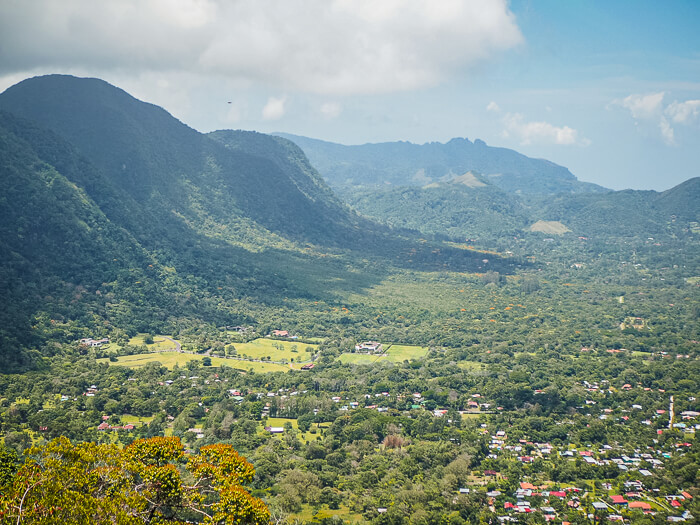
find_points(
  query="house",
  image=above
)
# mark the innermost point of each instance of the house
(89, 341)
(642, 505)
(280, 333)
(618, 500)
(275, 430)
(373, 347)
(307, 366)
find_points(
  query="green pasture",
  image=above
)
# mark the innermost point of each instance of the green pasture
(136, 420)
(472, 366)
(159, 343)
(394, 354)
(170, 359)
(276, 350)
(400, 353)
(309, 514)
(312, 434)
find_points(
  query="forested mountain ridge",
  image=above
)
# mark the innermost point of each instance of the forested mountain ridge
(456, 210)
(407, 164)
(155, 159)
(116, 215)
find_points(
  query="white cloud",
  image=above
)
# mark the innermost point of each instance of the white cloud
(540, 132)
(274, 109)
(683, 112)
(667, 132)
(320, 46)
(649, 110)
(493, 107)
(331, 109)
(643, 106)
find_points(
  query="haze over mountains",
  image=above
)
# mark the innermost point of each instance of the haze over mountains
(407, 164)
(468, 189)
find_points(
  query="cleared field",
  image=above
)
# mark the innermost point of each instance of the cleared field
(309, 513)
(313, 433)
(395, 354)
(403, 352)
(170, 359)
(136, 420)
(159, 343)
(472, 366)
(276, 350)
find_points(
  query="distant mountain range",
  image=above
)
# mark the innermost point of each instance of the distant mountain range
(465, 189)
(406, 164)
(473, 207)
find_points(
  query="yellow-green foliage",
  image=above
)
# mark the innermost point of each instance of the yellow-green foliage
(151, 480)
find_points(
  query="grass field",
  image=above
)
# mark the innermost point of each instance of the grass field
(277, 350)
(394, 354)
(313, 433)
(159, 343)
(472, 366)
(136, 420)
(170, 359)
(308, 513)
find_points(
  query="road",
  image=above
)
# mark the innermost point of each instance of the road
(178, 346)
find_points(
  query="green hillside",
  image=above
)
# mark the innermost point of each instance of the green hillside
(487, 213)
(453, 209)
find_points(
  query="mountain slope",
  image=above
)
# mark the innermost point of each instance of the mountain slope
(480, 210)
(177, 173)
(447, 209)
(55, 242)
(119, 217)
(407, 164)
(682, 200)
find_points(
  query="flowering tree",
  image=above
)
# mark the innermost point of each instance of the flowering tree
(150, 481)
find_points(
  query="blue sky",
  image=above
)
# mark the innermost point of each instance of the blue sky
(610, 89)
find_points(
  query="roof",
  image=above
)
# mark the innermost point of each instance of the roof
(639, 505)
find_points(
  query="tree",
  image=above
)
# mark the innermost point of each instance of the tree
(150, 481)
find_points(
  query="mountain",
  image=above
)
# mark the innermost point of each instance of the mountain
(172, 173)
(625, 213)
(407, 164)
(116, 216)
(473, 207)
(466, 207)
(682, 200)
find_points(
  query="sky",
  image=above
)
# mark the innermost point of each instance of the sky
(609, 89)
